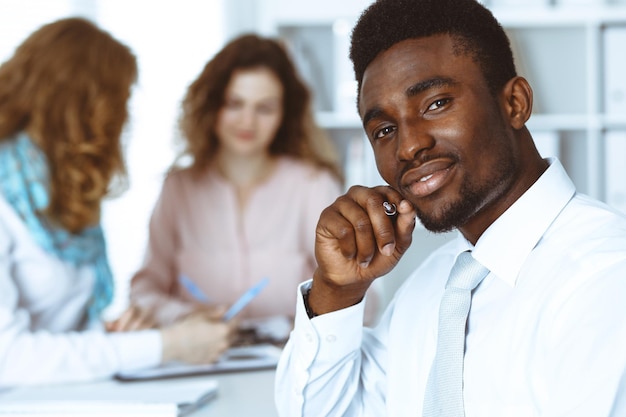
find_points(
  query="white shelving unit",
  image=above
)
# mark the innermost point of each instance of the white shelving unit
(562, 50)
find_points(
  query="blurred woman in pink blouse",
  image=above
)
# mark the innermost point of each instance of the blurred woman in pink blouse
(242, 202)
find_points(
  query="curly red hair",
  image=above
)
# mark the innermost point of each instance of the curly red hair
(67, 85)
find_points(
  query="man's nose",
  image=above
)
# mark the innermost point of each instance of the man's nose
(411, 141)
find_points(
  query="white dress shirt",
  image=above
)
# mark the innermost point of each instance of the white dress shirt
(546, 331)
(44, 336)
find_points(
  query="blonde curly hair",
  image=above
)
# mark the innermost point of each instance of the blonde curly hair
(67, 86)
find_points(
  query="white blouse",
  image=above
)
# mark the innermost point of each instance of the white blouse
(44, 333)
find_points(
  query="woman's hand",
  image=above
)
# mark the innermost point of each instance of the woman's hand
(195, 339)
(132, 319)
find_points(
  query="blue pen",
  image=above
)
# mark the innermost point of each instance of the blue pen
(245, 299)
(193, 289)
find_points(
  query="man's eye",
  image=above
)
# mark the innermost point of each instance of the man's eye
(383, 132)
(438, 103)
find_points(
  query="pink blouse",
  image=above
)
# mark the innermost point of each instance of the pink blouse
(196, 230)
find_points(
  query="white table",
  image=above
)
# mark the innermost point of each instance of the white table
(240, 394)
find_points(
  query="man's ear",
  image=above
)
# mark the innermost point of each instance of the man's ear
(518, 101)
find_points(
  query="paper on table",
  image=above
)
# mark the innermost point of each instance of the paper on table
(273, 329)
(109, 399)
(240, 358)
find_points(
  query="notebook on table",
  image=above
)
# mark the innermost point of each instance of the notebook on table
(110, 399)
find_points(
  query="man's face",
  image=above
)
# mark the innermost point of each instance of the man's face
(439, 136)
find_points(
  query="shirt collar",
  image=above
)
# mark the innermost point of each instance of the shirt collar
(506, 244)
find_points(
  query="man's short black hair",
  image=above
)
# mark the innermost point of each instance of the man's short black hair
(475, 30)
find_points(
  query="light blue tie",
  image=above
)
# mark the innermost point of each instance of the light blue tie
(444, 390)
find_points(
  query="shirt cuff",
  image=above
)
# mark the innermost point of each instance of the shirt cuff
(138, 350)
(330, 337)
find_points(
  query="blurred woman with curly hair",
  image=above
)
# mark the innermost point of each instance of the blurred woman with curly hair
(242, 201)
(63, 105)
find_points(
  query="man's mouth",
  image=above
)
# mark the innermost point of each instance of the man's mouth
(427, 178)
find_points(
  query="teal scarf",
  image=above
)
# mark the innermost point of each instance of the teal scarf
(24, 183)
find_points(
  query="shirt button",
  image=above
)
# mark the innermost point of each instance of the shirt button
(309, 337)
(331, 338)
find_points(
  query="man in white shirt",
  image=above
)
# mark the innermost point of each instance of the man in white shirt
(445, 113)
